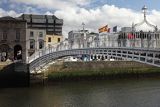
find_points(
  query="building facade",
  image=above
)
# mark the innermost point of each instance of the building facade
(52, 40)
(20, 37)
(50, 23)
(35, 40)
(126, 29)
(12, 39)
(108, 39)
(39, 27)
(141, 35)
(139, 39)
(93, 40)
(77, 39)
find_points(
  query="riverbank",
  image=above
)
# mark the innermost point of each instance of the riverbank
(100, 70)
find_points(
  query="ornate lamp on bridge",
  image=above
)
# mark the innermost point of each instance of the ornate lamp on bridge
(84, 33)
(83, 26)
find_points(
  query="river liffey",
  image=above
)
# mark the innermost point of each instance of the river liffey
(101, 93)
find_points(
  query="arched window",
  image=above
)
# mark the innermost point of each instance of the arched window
(32, 44)
(40, 34)
(17, 52)
(41, 43)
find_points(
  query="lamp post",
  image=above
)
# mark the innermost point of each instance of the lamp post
(84, 39)
(149, 39)
(83, 26)
(144, 10)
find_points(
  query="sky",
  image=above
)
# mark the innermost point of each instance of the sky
(94, 13)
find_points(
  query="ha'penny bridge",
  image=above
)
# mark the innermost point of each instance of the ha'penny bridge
(137, 45)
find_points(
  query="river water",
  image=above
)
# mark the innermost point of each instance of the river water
(102, 93)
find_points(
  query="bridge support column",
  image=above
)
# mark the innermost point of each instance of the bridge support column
(98, 57)
(108, 58)
(94, 57)
(105, 57)
(146, 57)
(90, 57)
(153, 59)
(139, 56)
(120, 54)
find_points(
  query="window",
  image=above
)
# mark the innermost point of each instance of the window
(40, 34)
(31, 34)
(17, 35)
(32, 44)
(59, 39)
(49, 39)
(41, 44)
(4, 35)
(157, 36)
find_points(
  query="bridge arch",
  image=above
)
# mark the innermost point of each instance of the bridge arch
(147, 56)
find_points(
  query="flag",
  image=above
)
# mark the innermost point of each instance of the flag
(130, 36)
(115, 29)
(103, 29)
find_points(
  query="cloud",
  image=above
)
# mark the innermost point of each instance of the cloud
(100, 16)
(74, 12)
(8, 13)
(53, 4)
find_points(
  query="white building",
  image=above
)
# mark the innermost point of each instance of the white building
(83, 39)
(126, 29)
(35, 40)
(141, 35)
(63, 45)
(92, 40)
(108, 39)
(77, 39)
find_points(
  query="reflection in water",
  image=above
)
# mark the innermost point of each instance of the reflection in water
(106, 93)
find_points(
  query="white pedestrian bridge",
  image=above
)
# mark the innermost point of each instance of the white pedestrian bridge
(143, 55)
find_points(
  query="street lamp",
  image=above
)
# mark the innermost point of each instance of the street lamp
(84, 38)
(83, 26)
